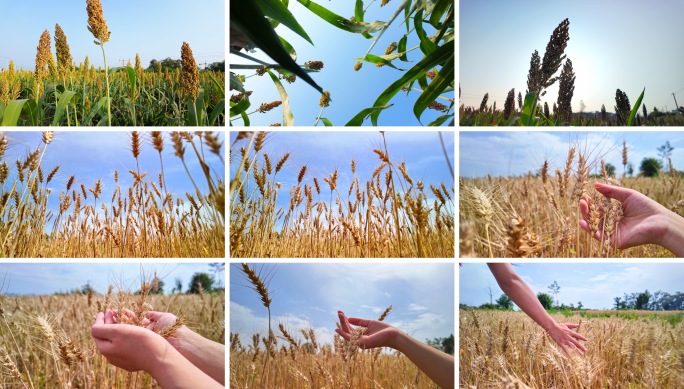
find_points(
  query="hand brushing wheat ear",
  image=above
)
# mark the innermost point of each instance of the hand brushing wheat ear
(643, 220)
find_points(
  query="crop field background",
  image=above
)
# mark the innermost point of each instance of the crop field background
(379, 210)
(45, 341)
(630, 350)
(168, 202)
(94, 86)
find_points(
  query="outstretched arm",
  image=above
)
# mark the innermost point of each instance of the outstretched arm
(437, 365)
(644, 220)
(521, 294)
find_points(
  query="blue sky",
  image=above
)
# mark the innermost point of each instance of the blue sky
(515, 153)
(309, 296)
(153, 29)
(350, 91)
(625, 44)
(323, 151)
(594, 284)
(49, 278)
(95, 155)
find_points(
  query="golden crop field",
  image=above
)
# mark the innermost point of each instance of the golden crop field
(305, 364)
(508, 350)
(388, 213)
(45, 341)
(537, 215)
(143, 219)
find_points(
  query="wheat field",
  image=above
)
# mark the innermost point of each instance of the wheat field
(508, 350)
(45, 341)
(49, 213)
(386, 214)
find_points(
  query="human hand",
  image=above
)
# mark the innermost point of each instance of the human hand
(644, 220)
(122, 344)
(377, 333)
(157, 321)
(566, 338)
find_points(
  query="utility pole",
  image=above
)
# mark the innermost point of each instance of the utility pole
(675, 99)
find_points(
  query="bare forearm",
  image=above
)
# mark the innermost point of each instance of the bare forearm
(437, 365)
(207, 355)
(521, 294)
(173, 371)
(673, 239)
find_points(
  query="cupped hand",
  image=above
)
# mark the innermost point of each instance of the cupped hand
(129, 347)
(643, 221)
(377, 333)
(567, 339)
(157, 321)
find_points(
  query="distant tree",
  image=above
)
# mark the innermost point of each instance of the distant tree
(488, 306)
(622, 107)
(554, 289)
(630, 169)
(650, 167)
(448, 344)
(619, 304)
(167, 64)
(665, 151)
(217, 66)
(218, 268)
(87, 288)
(179, 286)
(579, 305)
(200, 280)
(604, 114)
(610, 169)
(509, 105)
(642, 300)
(504, 302)
(545, 300)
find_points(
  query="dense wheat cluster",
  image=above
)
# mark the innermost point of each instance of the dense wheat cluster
(537, 215)
(45, 341)
(508, 350)
(300, 362)
(144, 219)
(385, 215)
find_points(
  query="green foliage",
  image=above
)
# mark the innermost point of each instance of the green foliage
(504, 302)
(650, 167)
(545, 300)
(200, 279)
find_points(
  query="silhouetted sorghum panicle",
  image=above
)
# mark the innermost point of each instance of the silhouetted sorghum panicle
(483, 104)
(622, 107)
(533, 76)
(554, 55)
(509, 105)
(566, 90)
